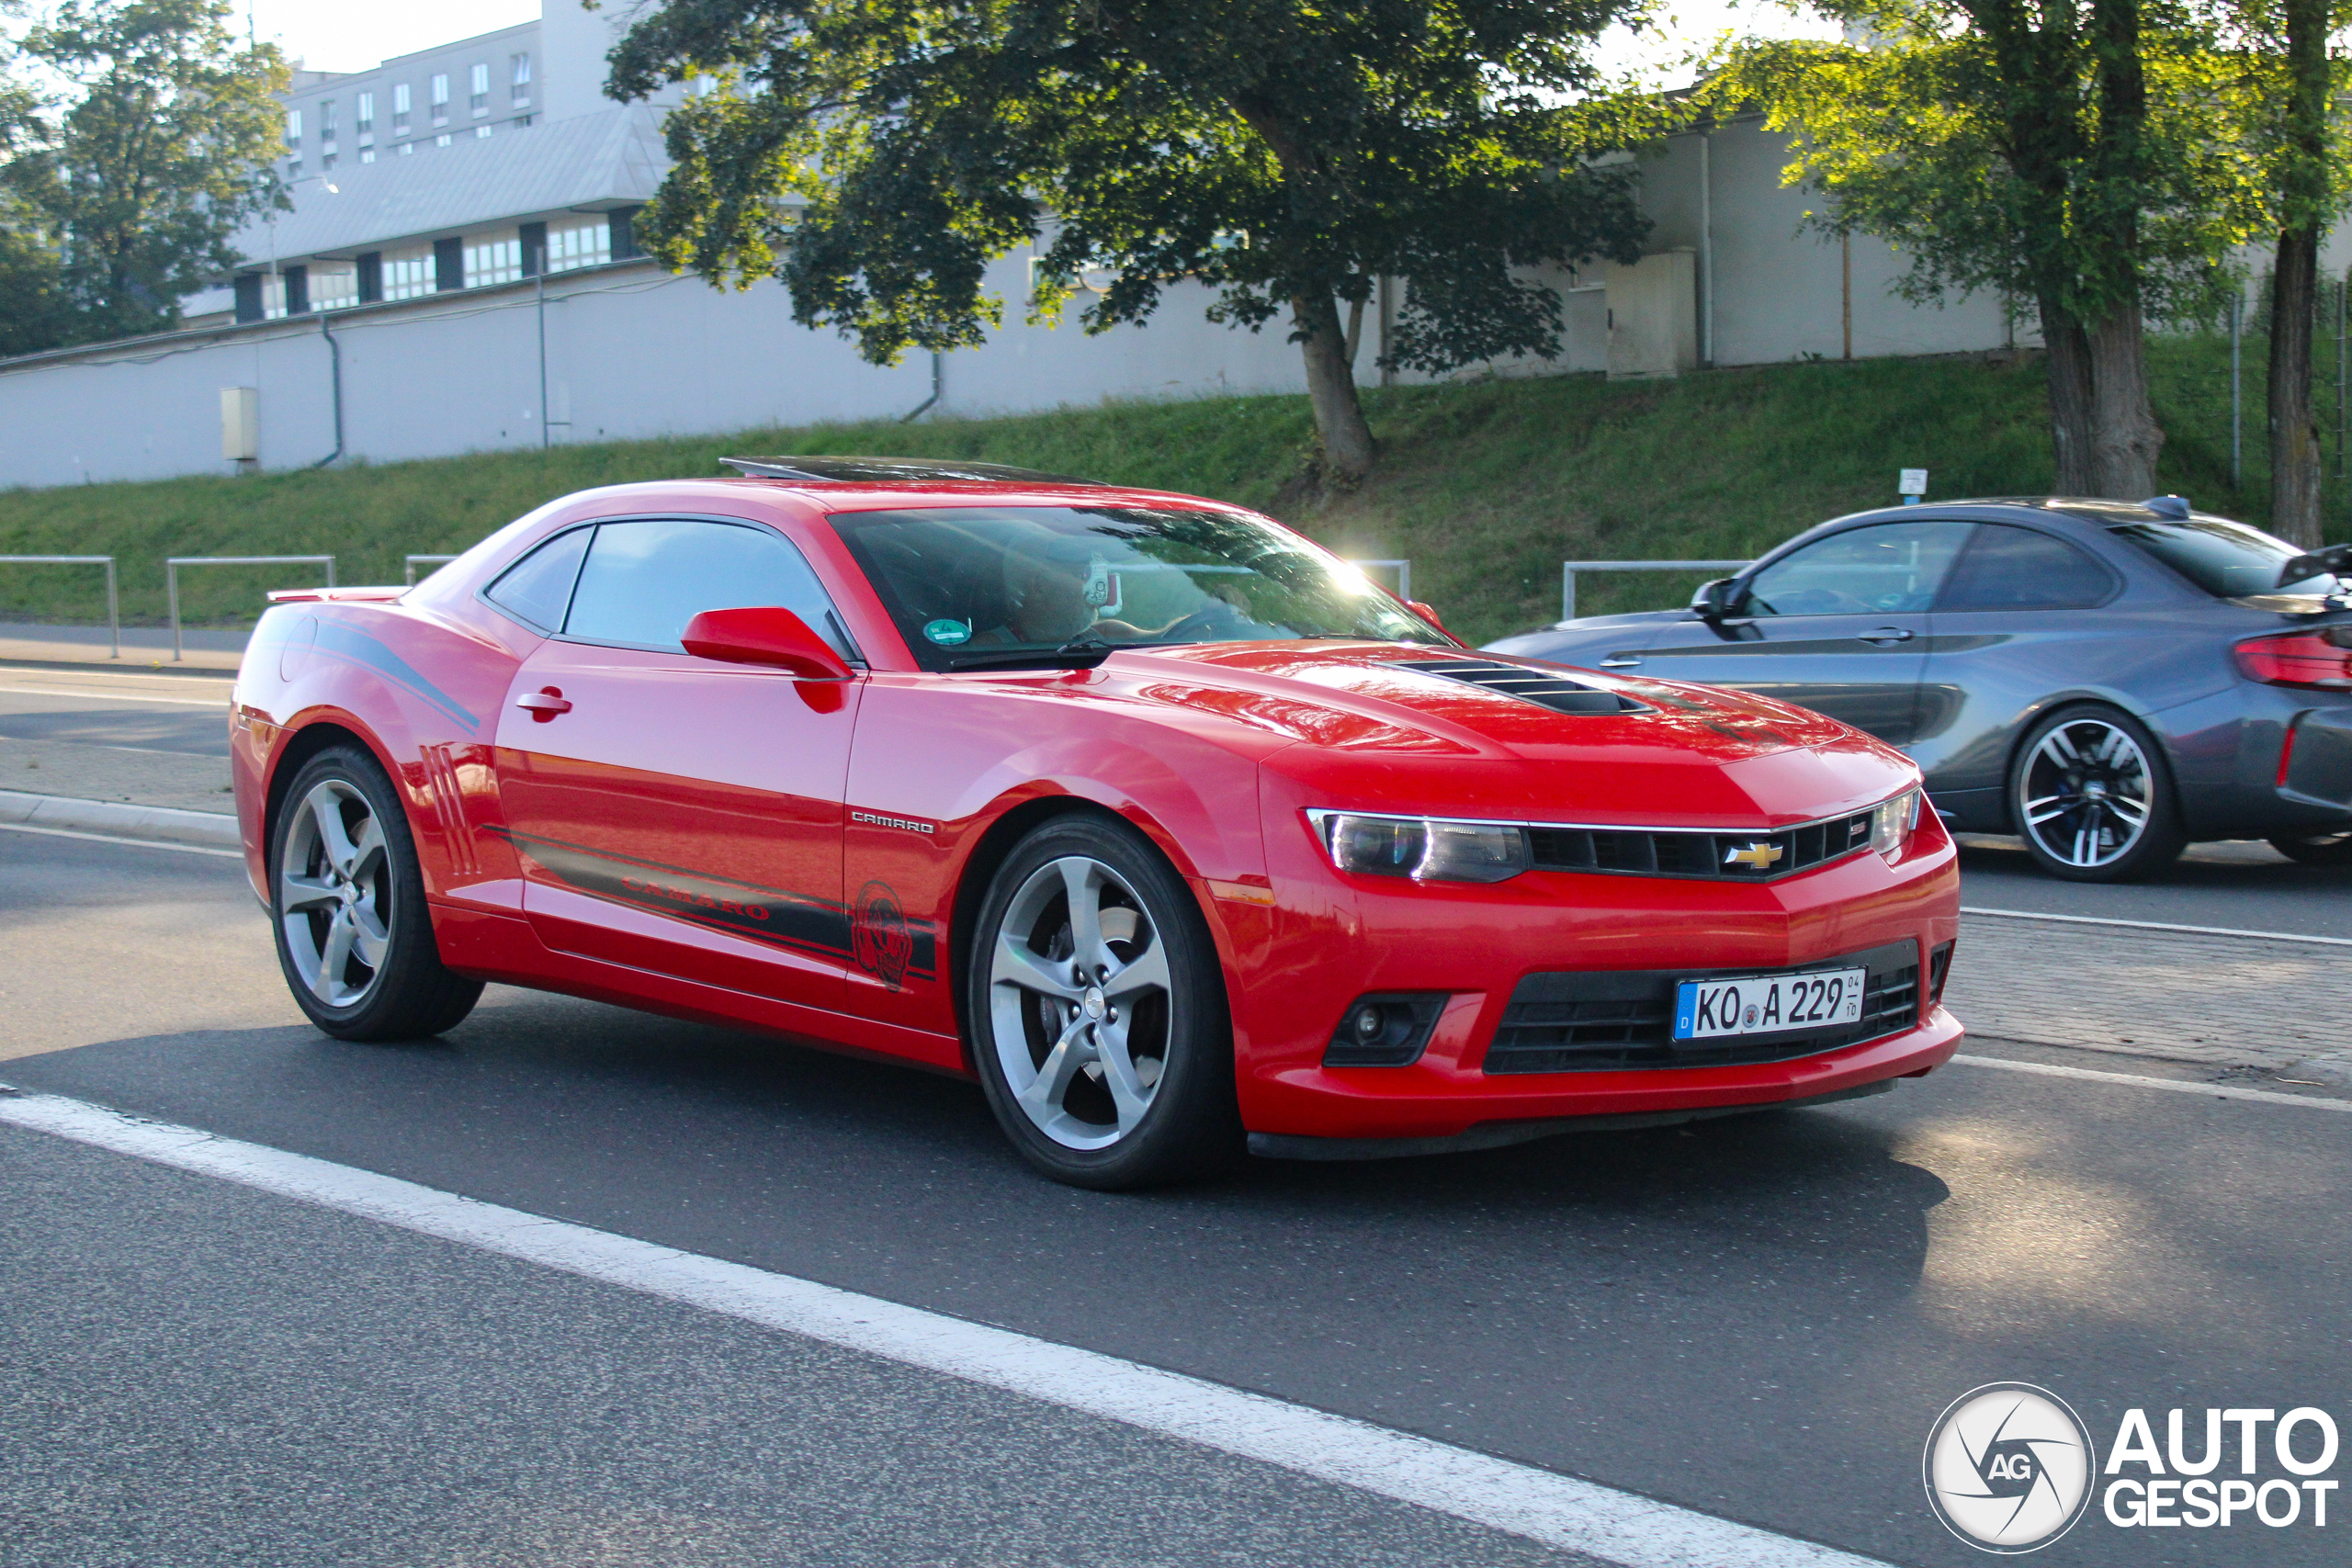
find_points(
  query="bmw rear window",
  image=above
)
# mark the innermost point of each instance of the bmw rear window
(2227, 559)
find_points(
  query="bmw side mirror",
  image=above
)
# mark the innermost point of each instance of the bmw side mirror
(1713, 601)
(765, 633)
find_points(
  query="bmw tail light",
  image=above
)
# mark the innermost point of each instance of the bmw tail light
(1425, 849)
(2299, 659)
(1892, 824)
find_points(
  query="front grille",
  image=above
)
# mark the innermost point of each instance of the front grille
(1939, 966)
(1613, 1019)
(1726, 857)
(1538, 686)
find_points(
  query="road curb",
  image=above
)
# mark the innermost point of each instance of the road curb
(159, 824)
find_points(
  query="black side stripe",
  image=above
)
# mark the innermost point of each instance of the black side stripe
(743, 909)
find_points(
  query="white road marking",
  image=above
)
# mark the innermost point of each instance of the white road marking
(1558, 1510)
(119, 838)
(2160, 926)
(2178, 1085)
(219, 702)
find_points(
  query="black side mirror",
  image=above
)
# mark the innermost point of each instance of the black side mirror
(1714, 600)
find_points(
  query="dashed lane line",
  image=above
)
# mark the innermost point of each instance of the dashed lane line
(1621, 1528)
(219, 702)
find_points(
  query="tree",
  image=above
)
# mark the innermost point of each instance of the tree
(2085, 154)
(877, 154)
(120, 198)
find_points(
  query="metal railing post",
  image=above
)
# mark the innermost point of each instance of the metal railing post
(172, 565)
(1568, 570)
(1404, 574)
(411, 562)
(172, 600)
(114, 613)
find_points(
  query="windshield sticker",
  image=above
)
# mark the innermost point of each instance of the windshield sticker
(948, 634)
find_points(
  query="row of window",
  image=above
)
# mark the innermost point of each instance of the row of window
(327, 161)
(363, 106)
(476, 261)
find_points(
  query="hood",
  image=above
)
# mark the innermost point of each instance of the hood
(1383, 726)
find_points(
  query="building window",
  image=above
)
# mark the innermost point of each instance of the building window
(363, 115)
(441, 140)
(482, 132)
(480, 100)
(366, 154)
(407, 148)
(399, 109)
(440, 97)
(326, 121)
(409, 274)
(272, 296)
(334, 286)
(584, 241)
(518, 79)
(326, 161)
(294, 131)
(489, 261)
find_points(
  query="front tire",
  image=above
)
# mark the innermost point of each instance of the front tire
(2316, 848)
(1098, 1011)
(2092, 797)
(355, 939)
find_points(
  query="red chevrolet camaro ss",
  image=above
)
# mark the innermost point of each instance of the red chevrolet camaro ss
(1157, 820)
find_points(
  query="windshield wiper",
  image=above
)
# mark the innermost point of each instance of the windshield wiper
(1072, 655)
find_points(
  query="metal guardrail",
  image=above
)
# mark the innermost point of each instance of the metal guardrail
(412, 562)
(1404, 574)
(172, 565)
(1568, 570)
(114, 611)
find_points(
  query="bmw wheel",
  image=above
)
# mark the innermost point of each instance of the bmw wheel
(2316, 848)
(2092, 797)
(347, 899)
(1098, 1011)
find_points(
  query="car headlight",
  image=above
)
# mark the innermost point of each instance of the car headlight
(1892, 824)
(1427, 849)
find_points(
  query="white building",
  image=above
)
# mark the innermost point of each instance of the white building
(458, 273)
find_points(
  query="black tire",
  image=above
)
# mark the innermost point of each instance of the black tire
(2316, 848)
(406, 992)
(2091, 793)
(1038, 1035)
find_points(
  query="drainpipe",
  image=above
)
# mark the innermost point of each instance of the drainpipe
(926, 406)
(1706, 251)
(335, 360)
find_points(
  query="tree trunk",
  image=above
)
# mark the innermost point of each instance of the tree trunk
(1331, 389)
(2125, 437)
(2303, 193)
(2067, 361)
(2294, 431)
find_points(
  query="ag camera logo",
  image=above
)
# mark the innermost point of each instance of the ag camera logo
(2008, 1468)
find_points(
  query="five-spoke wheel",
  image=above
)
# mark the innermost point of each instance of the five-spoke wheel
(2091, 799)
(354, 937)
(1096, 1009)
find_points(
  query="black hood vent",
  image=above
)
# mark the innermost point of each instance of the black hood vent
(1538, 686)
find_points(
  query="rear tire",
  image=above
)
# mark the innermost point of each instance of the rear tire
(355, 939)
(2092, 796)
(2316, 848)
(1098, 1012)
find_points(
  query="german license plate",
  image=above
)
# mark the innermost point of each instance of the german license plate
(1768, 1004)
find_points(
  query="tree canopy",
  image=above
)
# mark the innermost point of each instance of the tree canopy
(877, 155)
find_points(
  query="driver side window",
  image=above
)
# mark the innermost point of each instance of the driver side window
(1882, 569)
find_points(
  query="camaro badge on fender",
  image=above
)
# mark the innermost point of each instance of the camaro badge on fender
(1756, 855)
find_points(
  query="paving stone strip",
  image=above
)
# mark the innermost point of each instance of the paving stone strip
(172, 779)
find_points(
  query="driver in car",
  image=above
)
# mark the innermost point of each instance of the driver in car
(1048, 602)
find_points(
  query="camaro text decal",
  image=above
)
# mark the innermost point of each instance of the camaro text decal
(875, 819)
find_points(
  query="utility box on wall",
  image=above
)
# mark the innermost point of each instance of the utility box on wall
(1654, 316)
(241, 424)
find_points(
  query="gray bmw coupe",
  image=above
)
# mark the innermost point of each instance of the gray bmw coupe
(2107, 680)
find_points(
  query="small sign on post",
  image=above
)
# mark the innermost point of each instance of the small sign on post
(1913, 486)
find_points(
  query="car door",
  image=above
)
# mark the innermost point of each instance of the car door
(2009, 629)
(675, 814)
(1836, 626)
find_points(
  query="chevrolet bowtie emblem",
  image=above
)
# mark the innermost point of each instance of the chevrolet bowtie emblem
(1755, 856)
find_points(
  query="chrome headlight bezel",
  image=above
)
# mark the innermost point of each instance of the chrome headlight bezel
(1422, 849)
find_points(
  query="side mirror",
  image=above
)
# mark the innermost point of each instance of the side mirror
(765, 633)
(1713, 601)
(1427, 613)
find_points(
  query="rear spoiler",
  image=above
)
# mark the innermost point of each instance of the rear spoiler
(383, 595)
(2336, 558)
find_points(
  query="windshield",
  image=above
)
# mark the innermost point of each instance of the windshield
(977, 585)
(2227, 559)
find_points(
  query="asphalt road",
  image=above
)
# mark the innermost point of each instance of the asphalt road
(188, 715)
(1758, 1318)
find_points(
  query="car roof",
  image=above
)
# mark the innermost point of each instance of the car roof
(2090, 512)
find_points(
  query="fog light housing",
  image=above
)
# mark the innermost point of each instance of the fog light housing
(1384, 1029)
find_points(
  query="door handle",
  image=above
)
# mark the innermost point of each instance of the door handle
(1886, 635)
(543, 705)
(1620, 661)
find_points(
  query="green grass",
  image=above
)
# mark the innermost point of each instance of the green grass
(1486, 487)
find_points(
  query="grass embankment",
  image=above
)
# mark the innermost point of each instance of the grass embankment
(1486, 487)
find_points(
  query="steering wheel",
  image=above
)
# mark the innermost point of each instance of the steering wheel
(1201, 621)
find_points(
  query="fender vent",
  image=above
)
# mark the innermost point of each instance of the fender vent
(1538, 686)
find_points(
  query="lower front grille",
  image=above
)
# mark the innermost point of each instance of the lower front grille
(1614, 1020)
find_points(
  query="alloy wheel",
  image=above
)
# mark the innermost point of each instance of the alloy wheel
(2087, 794)
(334, 893)
(1079, 1003)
